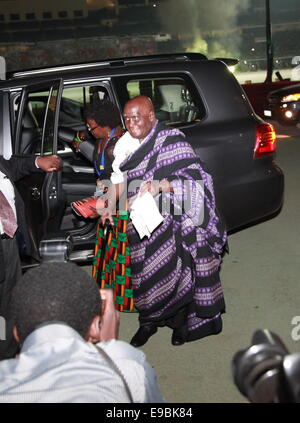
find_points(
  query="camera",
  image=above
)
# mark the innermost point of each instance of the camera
(266, 372)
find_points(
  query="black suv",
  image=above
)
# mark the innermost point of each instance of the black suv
(42, 110)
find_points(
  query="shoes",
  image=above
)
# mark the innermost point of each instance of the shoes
(143, 334)
(178, 336)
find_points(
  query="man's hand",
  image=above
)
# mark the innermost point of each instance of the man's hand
(49, 163)
(110, 319)
(155, 187)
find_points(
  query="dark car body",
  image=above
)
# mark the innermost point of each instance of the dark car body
(284, 105)
(42, 110)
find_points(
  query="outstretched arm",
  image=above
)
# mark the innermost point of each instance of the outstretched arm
(49, 163)
(23, 166)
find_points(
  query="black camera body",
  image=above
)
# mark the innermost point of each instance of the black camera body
(266, 372)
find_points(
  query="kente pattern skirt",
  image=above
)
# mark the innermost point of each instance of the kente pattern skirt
(111, 267)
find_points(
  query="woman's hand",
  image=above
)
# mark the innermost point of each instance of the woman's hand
(102, 210)
(78, 139)
(75, 146)
(107, 216)
(96, 211)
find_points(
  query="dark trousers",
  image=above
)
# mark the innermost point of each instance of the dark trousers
(12, 267)
(177, 321)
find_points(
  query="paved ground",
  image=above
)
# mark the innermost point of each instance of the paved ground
(261, 286)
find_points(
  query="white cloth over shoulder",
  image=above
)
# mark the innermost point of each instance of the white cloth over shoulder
(125, 146)
(145, 215)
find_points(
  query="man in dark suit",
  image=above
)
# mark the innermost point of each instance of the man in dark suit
(12, 221)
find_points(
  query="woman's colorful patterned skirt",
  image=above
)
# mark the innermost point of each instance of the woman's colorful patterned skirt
(111, 267)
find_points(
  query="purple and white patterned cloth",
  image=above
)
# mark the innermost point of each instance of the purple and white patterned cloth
(175, 273)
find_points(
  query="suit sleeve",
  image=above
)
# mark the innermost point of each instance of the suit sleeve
(21, 166)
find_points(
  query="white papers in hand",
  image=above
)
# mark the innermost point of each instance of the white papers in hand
(145, 215)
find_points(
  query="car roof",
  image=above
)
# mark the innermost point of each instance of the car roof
(110, 63)
(120, 62)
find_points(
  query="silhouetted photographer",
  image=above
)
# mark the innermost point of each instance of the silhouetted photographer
(67, 329)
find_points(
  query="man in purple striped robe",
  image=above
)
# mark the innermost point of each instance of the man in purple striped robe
(175, 272)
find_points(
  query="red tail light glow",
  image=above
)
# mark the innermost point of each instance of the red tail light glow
(265, 140)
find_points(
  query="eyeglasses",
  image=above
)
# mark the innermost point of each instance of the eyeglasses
(91, 129)
(134, 119)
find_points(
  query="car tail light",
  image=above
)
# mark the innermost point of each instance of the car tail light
(265, 140)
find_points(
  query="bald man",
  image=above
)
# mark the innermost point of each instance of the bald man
(175, 272)
(139, 117)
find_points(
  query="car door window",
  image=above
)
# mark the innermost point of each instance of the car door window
(35, 125)
(74, 100)
(174, 97)
(48, 146)
(39, 109)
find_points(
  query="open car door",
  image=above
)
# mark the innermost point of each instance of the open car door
(36, 133)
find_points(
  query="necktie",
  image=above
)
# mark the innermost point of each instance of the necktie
(7, 216)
